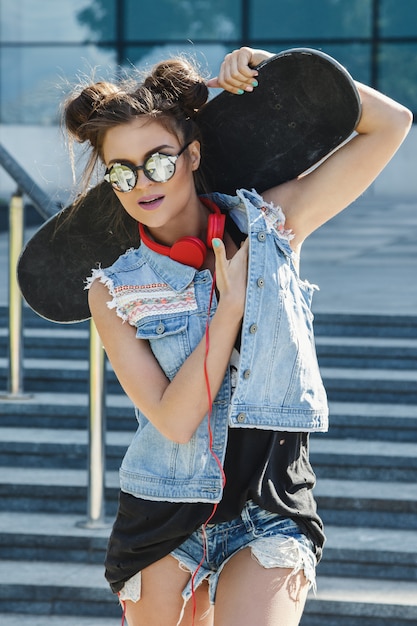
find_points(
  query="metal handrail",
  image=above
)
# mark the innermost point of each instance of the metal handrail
(16, 227)
(41, 201)
(96, 425)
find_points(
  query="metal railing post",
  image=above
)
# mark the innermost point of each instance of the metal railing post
(96, 435)
(16, 230)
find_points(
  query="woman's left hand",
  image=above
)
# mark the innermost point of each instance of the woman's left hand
(236, 72)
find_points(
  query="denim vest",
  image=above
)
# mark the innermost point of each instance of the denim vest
(279, 386)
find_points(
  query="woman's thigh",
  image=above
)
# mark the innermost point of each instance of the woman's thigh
(248, 594)
(161, 603)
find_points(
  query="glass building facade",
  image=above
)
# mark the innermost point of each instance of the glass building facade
(47, 46)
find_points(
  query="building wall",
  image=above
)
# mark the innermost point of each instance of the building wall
(47, 46)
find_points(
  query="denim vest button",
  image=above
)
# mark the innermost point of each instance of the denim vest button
(261, 236)
(246, 374)
(160, 329)
(241, 417)
(260, 282)
(253, 328)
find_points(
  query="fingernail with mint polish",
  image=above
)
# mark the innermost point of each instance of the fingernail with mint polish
(255, 83)
(240, 92)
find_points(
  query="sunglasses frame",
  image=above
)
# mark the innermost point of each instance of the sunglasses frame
(135, 168)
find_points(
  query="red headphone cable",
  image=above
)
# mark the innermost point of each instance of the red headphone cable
(214, 455)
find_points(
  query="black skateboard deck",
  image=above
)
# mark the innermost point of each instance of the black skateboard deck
(305, 106)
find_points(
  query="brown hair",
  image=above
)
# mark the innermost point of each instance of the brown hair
(172, 93)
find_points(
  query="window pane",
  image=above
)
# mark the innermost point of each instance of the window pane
(57, 20)
(397, 68)
(170, 20)
(42, 75)
(356, 58)
(208, 56)
(398, 19)
(299, 19)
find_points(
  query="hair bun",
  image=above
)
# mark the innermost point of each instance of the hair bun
(179, 83)
(80, 109)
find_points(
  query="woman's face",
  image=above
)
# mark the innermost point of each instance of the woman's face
(155, 204)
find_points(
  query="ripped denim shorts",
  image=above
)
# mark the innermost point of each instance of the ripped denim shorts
(275, 541)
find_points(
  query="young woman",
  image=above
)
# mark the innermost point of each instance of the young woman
(216, 499)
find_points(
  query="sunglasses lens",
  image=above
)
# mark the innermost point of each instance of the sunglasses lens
(122, 177)
(160, 167)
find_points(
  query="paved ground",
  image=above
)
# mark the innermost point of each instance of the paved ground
(364, 260)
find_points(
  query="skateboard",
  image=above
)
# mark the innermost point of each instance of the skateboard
(305, 106)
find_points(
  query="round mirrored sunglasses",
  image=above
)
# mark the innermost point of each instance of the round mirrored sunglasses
(158, 167)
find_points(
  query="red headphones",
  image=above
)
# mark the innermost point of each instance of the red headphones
(190, 250)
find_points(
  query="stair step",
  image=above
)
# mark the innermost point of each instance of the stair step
(24, 619)
(367, 503)
(32, 320)
(64, 411)
(331, 458)
(338, 600)
(51, 537)
(379, 352)
(70, 410)
(329, 324)
(371, 385)
(352, 552)
(342, 384)
(46, 447)
(369, 553)
(354, 601)
(56, 588)
(366, 420)
(366, 467)
(358, 325)
(354, 459)
(367, 352)
(51, 490)
(65, 375)
(341, 502)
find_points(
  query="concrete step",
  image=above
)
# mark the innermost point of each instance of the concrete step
(328, 324)
(67, 449)
(365, 552)
(64, 375)
(341, 502)
(57, 342)
(367, 352)
(70, 342)
(53, 537)
(351, 552)
(342, 384)
(331, 458)
(376, 421)
(61, 410)
(367, 503)
(361, 602)
(354, 459)
(360, 420)
(363, 325)
(33, 320)
(51, 490)
(370, 385)
(79, 590)
(24, 619)
(45, 588)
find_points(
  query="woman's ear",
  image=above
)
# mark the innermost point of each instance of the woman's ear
(195, 155)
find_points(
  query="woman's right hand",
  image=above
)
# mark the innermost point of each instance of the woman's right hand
(237, 73)
(231, 275)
